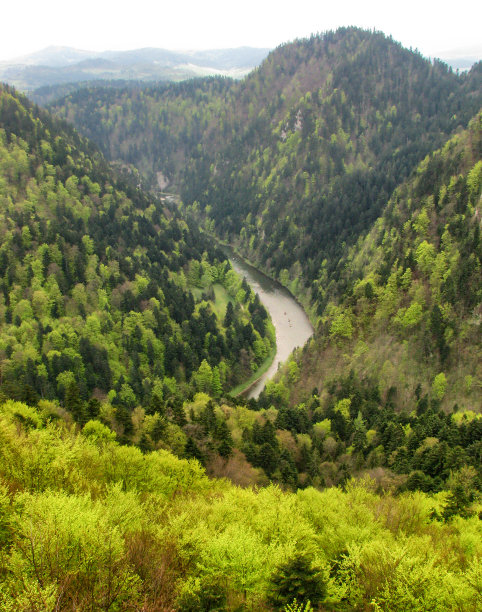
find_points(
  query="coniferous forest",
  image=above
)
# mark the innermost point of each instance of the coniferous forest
(132, 477)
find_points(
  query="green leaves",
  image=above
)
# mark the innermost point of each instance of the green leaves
(85, 520)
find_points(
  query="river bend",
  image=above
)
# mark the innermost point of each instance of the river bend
(293, 328)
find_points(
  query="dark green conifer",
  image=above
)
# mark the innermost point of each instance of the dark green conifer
(298, 578)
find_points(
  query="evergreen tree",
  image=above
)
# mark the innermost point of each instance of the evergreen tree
(229, 316)
(297, 579)
(223, 434)
(74, 404)
(192, 451)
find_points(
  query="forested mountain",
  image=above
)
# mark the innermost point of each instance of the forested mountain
(296, 165)
(391, 379)
(105, 294)
(351, 169)
(298, 159)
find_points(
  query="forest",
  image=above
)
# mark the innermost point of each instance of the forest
(104, 295)
(131, 476)
(87, 523)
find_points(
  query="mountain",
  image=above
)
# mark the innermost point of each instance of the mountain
(393, 371)
(297, 160)
(53, 56)
(351, 169)
(299, 166)
(106, 294)
(62, 65)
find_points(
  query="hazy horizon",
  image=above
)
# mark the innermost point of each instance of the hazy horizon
(471, 52)
(215, 24)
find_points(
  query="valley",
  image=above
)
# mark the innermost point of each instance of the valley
(293, 328)
(181, 430)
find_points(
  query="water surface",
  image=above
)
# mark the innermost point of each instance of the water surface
(293, 328)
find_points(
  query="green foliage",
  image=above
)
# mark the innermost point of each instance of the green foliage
(298, 160)
(87, 522)
(341, 326)
(296, 607)
(67, 543)
(297, 580)
(121, 316)
(202, 595)
(95, 300)
(305, 167)
(439, 386)
(416, 327)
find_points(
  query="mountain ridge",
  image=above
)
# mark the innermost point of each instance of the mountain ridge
(299, 160)
(352, 170)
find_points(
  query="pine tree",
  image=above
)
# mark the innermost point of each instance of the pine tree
(192, 451)
(216, 383)
(158, 429)
(93, 408)
(208, 418)
(229, 316)
(297, 579)
(73, 403)
(223, 434)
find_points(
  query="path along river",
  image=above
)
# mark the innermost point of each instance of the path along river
(293, 328)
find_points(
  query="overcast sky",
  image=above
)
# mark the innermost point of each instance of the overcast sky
(431, 26)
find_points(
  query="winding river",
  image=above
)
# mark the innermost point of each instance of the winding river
(293, 328)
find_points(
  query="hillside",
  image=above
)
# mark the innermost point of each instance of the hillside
(391, 379)
(88, 524)
(298, 159)
(320, 168)
(409, 294)
(337, 123)
(106, 295)
(130, 478)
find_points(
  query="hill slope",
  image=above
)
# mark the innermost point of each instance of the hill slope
(297, 160)
(88, 524)
(409, 296)
(105, 293)
(390, 381)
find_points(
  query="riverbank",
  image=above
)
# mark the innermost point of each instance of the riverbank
(292, 325)
(298, 298)
(245, 386)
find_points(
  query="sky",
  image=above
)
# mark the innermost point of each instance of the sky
(431, 26)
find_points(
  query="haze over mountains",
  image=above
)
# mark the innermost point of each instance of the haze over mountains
(56, 65)
(462, 58)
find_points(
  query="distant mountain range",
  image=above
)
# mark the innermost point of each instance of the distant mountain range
(65, 67)
(58, 65)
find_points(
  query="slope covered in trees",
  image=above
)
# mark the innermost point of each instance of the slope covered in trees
(297, 160)
(392, 376)
(105, 293)
(295, 165)
(88, 524)
(155, 128)
(121, 326)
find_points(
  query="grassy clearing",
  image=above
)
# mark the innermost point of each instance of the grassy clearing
(238, 390)
(220, 302)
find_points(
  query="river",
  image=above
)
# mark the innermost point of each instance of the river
(293, 328)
